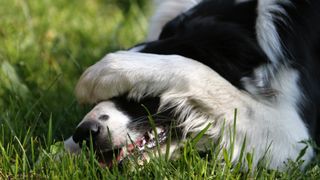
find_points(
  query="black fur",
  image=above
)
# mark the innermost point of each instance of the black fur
(301, 40)
(222, 35)
(219, 34)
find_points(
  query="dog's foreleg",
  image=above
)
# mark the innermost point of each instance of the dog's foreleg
(140, 74)
(201, 96)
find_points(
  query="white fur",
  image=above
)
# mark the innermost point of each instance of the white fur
(267, 34)
(202, 96)
(166, 10)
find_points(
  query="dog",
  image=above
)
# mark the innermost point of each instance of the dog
(203, 60)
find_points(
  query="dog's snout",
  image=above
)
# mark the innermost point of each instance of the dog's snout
(83, 132)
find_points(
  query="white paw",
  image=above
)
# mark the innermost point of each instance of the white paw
(138, 74)
(103, 80)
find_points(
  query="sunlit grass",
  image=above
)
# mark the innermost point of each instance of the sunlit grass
(44, 47)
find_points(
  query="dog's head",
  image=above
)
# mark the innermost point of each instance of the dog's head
(121, 123)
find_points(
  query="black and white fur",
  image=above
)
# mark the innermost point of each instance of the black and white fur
(259, 57)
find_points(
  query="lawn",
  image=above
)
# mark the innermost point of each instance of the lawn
(44, 47)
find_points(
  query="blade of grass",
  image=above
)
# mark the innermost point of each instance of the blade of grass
(153, 126)
(197, 138)
(49, 134)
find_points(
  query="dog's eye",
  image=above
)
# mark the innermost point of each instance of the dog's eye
(104, 117)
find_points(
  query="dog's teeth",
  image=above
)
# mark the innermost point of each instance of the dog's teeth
(151, 144)
(151, 135)
(146, 142)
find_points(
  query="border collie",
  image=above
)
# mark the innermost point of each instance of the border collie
(201, 61)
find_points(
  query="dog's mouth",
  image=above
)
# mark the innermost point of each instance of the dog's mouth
(148, 142)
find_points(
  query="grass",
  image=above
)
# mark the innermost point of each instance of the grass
(44, 47)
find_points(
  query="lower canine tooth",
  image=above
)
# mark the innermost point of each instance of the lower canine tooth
(151, 135)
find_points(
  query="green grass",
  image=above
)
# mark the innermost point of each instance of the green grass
(44, 47)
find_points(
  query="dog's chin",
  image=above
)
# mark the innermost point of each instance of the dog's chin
(147, 142)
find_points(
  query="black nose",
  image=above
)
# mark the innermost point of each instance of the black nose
(83, 132)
